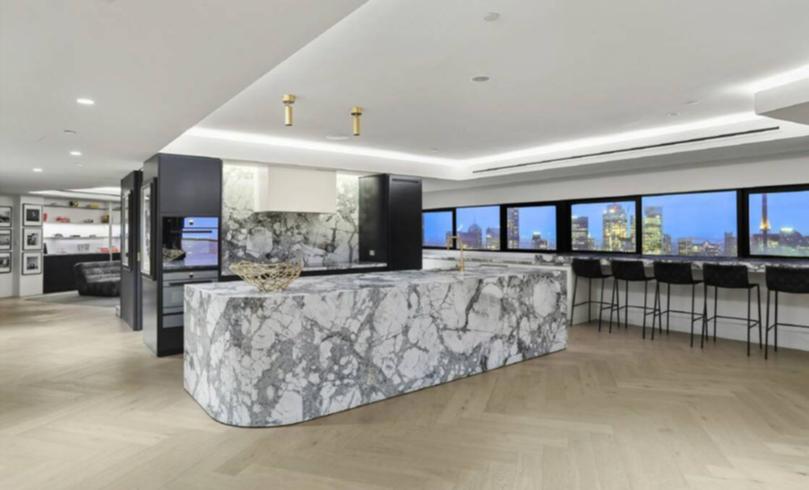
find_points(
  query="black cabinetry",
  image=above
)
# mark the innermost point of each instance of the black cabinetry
(130, 266)
(390, 220)
(181, 186)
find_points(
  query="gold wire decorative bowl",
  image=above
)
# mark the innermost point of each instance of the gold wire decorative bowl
(267, 278)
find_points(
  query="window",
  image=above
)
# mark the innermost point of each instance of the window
(603, 226)
(437, 227)
(700, 224)
(479, 227)
(531, 228)
(779, 223)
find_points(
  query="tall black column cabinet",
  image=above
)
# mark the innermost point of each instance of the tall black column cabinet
(181, 187)
(390, 220)
(130, 268)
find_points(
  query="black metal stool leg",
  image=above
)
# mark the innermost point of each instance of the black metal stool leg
(767, 328)
(645, 302)
(589, 300)
(704, 318)
(612, 303)
(573, 303)
(654, 312)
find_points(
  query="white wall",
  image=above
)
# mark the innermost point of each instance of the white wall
(792, 169)
(7, 280)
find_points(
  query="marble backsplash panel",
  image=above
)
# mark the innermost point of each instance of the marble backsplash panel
(317, 239)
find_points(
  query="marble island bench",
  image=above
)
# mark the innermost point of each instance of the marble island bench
(331, 343)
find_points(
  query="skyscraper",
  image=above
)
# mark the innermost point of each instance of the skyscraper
(580, 232)
(653, 230)
(615, 230)
(513, 227)
(731, 244)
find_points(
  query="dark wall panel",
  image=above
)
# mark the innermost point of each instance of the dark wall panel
(405, 223)
(373, 223)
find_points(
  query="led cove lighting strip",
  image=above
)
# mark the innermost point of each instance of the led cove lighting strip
(527, 153)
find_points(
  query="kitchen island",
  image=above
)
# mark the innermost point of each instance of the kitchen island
(331, 343)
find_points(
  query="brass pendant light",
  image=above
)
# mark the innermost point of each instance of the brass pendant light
(356, 112)
(288, 100)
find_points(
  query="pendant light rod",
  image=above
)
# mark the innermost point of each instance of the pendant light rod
(356, 112)
(288, 100)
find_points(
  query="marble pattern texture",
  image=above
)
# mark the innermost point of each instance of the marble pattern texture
(331, 343)
(319, 240)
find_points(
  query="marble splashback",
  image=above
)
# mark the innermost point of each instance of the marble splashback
(320, 240)
(336, 342)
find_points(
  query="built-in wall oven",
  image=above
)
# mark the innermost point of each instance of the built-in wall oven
(190, 249)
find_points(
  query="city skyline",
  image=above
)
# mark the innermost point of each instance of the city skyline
(479, 227)
(786, 226)
(603, 226)
(531, 227)
(696, 224)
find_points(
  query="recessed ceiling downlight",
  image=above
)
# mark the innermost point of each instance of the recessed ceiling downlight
(37, 169)
(85, 101)
(481, 78)
(491, 16)
(337, 137)
(75, 153)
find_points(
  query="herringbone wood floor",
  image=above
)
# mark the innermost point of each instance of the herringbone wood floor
(84, 405)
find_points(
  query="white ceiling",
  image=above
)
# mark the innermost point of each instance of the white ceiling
(154, 68)
(561, 71)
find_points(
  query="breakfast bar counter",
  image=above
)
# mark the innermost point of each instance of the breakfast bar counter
(330, 343)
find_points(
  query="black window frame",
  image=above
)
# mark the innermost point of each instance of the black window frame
(696, 257)
(744, 203)
(442, 210)
(597, 200)
(499, 219)
(504, 226)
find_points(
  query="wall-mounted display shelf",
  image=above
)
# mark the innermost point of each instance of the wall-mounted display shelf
(81, 226)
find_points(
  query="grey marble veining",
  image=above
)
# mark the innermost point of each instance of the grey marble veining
(331, 343)
(320, 240)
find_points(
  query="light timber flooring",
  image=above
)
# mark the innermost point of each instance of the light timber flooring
(84, 405)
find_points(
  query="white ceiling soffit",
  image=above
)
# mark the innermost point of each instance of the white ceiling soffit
(154, 68)
(789, 102)
(565, 78)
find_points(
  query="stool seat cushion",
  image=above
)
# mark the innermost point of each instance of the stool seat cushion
(726, 276)
(629, 270)
(588, 268)
(674, 273)
(787, 279)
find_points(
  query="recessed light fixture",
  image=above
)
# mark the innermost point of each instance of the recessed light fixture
(85, 101)
(337, 137)
(691, 102)
(491, 16)
(37, 169)
(70, 131)
(75, 153)
(480, 78)
(673, 114)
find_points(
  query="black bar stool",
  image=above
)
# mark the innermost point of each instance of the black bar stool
(589, 269)
(629, 271)
(677, 273)
(728, 277)
(790, 280)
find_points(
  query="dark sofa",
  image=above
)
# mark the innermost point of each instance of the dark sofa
(98, 278)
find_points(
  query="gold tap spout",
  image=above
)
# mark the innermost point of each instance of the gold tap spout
(461, 246)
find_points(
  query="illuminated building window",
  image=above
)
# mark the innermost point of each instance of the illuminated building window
(603, 226)
(531, 228)
(699, 224)
(479, 227)
(779, 223)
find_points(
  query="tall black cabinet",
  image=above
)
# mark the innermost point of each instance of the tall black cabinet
(130, 268)
(390, 220)
(176, 190)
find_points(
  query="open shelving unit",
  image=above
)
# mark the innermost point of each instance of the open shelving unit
(79, 226)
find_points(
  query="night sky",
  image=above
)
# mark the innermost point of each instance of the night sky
(785, 209)
(541, 219)
(706, 215)
(436, 226)
(484, 216)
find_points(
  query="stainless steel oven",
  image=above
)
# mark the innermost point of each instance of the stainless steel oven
(174, 293)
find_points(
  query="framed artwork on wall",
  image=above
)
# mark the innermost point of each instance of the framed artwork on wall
(5, 240)
(31, 263)
(31, 214)
(32, 239)
(5, 216)
(5, 263)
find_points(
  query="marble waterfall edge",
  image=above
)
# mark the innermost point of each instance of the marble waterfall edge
(332, 343)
